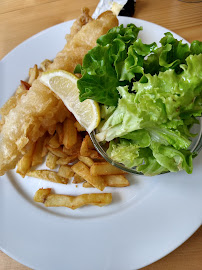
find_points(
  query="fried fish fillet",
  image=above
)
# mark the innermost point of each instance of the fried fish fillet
(27, 116)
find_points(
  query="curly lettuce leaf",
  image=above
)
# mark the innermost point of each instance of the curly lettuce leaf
(133, 64)
(125, 152)
(196, 47)
(127, 34)
(101, 65)
(139, 137)
(170, 55)
(171, 158)
(169, 137)
(150, 166)
(156, 102)
(99, 80)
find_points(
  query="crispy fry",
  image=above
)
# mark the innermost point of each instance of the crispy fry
(33, 74)
(41, 195)
(25, 163)
(94, 154)
(66, 160)
(73, 202)
(77, 179)
(51, 129)
(104, 168)
(84, 151)
(112, 181)
(70, 133)
(87, 185)
(87, 148)
(116, 181)
(57, 151)
(45, 64)
(37, 155)
(65, 171)
(48, 175)
(89, 142)
(75, 149)
(54, 141)
(59, 130)
(86, 160)
(79, 127)
(82, 170)
(44, 151)
(51, 161)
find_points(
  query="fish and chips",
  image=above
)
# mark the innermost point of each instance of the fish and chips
(36, 126)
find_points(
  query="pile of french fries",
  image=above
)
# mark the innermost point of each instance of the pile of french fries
(70, 155)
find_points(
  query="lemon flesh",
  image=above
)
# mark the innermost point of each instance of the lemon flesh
(64, 85)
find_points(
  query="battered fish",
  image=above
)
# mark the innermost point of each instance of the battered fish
(28, 115)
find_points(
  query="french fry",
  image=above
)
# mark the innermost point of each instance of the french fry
(37, 155)
(112, 181)
(51, 161)
(65, 171)
(48, 175)
(44, 65)
(66, 160)
(82, 170)
(51, 129)
(77, 179)
(87, 148)
(57, 151)
(41, 195)
(94, 154)
(44, 151)
(73, 202)
(59, 130)
(33, 74)
(25, 163)
(54, 141)
(79, 127)
(104, 168)
(69, 114)
(87, 185)
(86, 160)
(70, 133)
(89, 142)
(116, 181)
(84, 151)
(75, 149)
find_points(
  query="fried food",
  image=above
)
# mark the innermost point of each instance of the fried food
(112, 181)
(51, 161)
(48, 175)
(104, 168)
(78, 179)
(37, 157)
(86, 160)
(30, 113)
(82, 170)
(25, 162)
(65, 171)
(35, 124)
(70, 133)
(73, 202)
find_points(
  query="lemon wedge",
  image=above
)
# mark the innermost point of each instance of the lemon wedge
(64, 85)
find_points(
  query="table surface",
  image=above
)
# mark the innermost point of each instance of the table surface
(21, 19)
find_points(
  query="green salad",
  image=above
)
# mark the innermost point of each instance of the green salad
(150, 96)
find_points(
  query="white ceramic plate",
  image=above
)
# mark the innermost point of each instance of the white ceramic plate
(145, 222)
